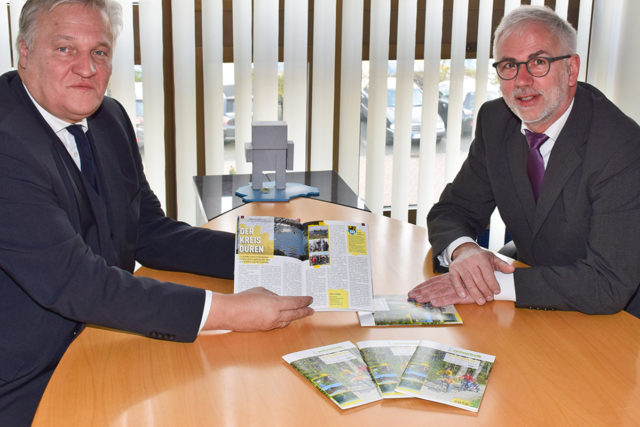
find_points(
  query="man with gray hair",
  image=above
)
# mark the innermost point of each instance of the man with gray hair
(562, 165)
(77, 212)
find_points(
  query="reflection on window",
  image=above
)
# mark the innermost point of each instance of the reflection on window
(139, 124)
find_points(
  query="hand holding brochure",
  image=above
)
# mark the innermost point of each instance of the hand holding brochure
(328, 260)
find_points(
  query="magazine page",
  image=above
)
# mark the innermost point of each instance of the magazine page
(338, 371)
(392, 310)
(387, 360)
(268, 253)
(338, 275)
(445, 374)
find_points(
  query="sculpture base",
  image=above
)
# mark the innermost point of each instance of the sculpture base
(269, 193)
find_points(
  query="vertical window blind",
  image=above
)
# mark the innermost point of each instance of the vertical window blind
(350, 87)
(151, 59)
(212, 54)
(5, 40)
(296, 74)
(322, 85)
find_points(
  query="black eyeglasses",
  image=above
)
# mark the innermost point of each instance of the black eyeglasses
(538, 66)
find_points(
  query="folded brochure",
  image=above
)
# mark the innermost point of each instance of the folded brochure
(395, 310)
(338, 371)
(351, 376)
(446, 374)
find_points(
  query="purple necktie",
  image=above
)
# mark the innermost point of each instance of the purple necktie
(535, 164)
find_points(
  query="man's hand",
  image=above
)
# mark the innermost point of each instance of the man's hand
(438, 291)
(472, 272)
(255, 309)
(470, 279)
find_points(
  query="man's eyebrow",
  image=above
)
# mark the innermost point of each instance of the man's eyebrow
(104, 44)
(62, 37)
(66, 37)
(540, 52)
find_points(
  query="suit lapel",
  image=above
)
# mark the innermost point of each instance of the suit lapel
(565, 157)
(45, 146)
(101, 203)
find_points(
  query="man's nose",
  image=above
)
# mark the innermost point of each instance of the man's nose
(523, 77)
(84, 65)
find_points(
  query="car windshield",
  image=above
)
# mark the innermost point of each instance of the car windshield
(391, 97)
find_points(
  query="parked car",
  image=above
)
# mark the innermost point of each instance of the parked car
(467, 109)
(468, 88)
(416, 112)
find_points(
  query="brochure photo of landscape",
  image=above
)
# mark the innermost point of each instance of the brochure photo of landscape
(387, 361)
(448, 375)
(395, 310)
(339, 372)
(290, 239)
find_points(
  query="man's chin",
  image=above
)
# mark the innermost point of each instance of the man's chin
(82, 112)
(528, 117)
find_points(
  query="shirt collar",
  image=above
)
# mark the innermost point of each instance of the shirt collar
(554, 130)
(56, 123)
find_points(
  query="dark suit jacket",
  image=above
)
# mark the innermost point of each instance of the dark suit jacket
(67, 253)
(582, 237)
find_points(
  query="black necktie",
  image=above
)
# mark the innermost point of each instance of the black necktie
(87, 165)
(535, 163)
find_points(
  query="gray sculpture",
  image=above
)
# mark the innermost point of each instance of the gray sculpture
(269, 150)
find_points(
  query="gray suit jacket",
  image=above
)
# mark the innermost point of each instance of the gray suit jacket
(582, 237)
(67, 252)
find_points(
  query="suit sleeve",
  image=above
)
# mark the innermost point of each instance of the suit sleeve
(166, 244)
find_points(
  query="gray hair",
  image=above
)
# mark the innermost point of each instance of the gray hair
(32, 9)
(557, 26)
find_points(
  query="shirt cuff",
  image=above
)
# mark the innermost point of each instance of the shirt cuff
(207, 306)
(507, 287)
(445, 256)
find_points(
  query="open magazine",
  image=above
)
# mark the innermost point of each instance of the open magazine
(448, 375)
(338, 371)
(395, 310)
(352, 376)
(328, 260)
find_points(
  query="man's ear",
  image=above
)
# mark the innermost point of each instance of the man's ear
(574, 68)
(24, 53)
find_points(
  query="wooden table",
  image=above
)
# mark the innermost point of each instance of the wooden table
(552, 368)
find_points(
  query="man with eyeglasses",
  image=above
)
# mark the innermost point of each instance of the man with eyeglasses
(562, 165)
